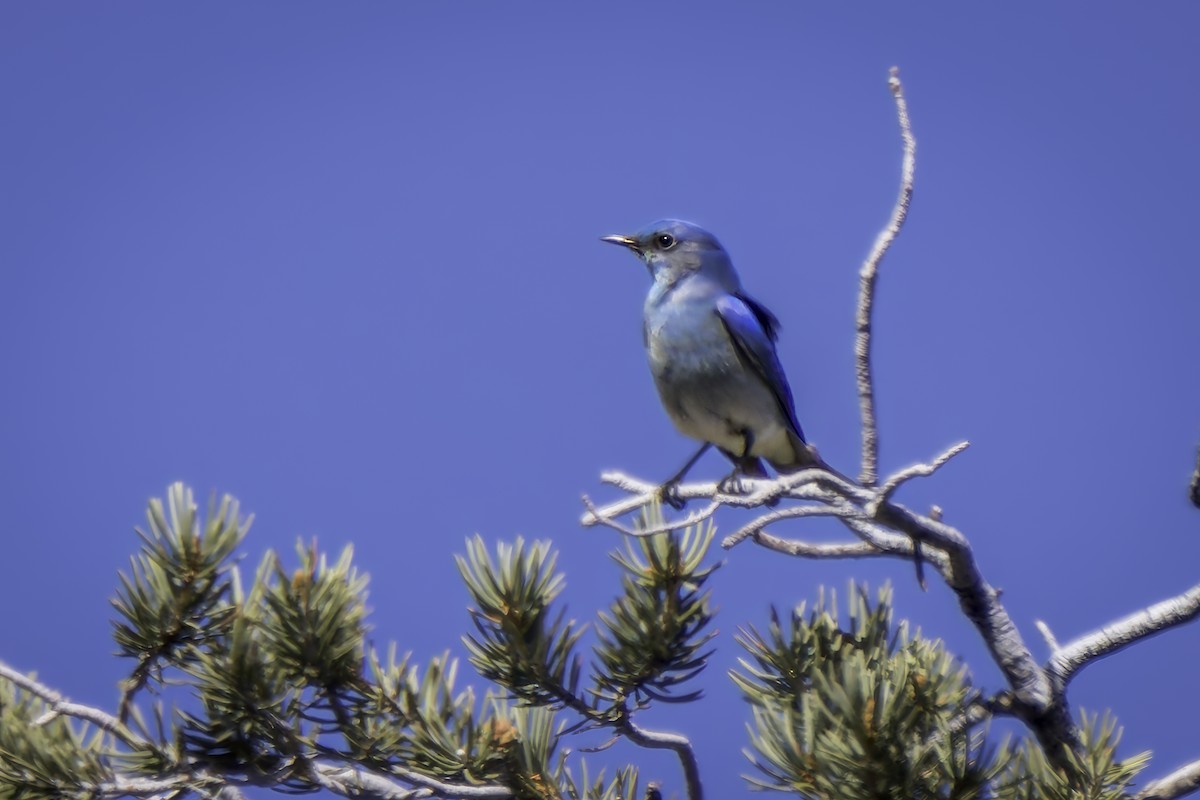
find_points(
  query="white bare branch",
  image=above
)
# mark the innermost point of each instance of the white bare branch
(1067, 661)
(796, 547)
(898, 479)
(354, 781)
(888, 528)
(609, 519)
(866, 297)
(1179, 783)
(895, 544)
(187, 778)
(805, 485)
(680, 745)
(1047, 634)
(342, 779)
(60, 706)
(793, 512)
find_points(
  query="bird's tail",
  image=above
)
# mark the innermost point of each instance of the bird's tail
(807, 457)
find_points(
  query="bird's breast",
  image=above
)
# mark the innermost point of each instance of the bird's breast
(688, 345)
(707, 391)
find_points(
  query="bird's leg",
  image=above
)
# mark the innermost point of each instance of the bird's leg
(669, 489)
(744, 465)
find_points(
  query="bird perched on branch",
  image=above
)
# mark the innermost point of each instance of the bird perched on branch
(712, 353)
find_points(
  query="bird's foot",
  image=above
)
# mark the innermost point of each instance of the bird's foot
(733, 484)
(669, 494)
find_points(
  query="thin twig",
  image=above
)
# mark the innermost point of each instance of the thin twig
(1047, 634)
(781, 514)
(898, 479)
(606, 517)
(869, 473)
(795, 547)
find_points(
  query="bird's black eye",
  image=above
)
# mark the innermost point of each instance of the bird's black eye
(665, 241)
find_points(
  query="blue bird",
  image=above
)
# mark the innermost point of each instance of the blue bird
(711, 349)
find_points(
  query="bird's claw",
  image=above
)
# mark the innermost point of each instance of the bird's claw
(731, 484)
(669, 494)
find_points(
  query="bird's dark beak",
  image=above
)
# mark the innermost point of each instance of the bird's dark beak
(624, 241)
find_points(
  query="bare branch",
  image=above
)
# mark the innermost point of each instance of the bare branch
(121, 786)
(348, 781)
(60, 706)
(866, 297)
(1047, 634)
(795, 547)
(977, 711)
(681, 746)
(898, 479)
(1067, 661)
(892, 529)
(895, 544)
(1179, 783)
(606, 517)
(158, 788)
(1035, 700)
(354, 781)
(794, 512)
(804, 485)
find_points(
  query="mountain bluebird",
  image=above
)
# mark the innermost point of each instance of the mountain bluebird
(712, 353)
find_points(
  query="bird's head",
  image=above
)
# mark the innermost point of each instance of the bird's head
(673, 249)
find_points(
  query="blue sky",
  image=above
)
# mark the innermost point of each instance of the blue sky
(342, 261)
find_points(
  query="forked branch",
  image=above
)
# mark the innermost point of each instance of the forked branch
(1067, 661)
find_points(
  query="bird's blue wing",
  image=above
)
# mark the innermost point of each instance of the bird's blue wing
(753, 330)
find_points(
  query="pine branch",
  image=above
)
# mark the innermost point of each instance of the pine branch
(650, 640)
